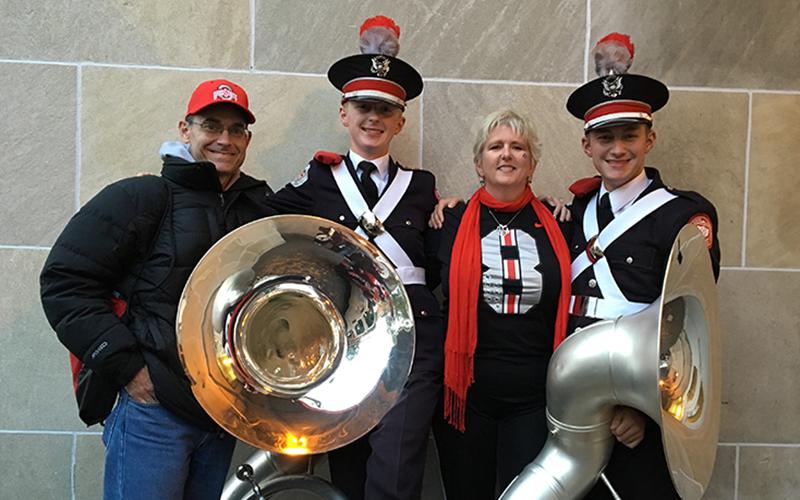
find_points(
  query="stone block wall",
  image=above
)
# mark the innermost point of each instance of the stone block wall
(90, 89)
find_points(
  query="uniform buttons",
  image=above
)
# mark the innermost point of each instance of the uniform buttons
(423, 312)
(341, 218)
(577, 247)
(592, 283)
(629, 260)
(408, 222)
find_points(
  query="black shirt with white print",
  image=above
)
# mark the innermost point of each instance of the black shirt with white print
(517, 305)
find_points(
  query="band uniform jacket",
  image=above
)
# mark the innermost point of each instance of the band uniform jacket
(315, 192)
(638, 258)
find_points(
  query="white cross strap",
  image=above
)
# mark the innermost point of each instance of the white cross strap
(614, 303)
(617, 227)
(409, 274)
(596, 307)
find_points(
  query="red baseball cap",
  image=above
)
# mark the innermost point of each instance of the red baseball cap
(219, 91)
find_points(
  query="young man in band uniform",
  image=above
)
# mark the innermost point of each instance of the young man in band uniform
(365, 189)
(627, 275)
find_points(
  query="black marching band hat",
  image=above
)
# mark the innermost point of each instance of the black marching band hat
(617, 97)
(376, 74)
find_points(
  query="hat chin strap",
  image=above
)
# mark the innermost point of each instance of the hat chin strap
(624, 117)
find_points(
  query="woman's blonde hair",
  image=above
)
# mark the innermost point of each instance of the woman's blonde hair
(519, 124)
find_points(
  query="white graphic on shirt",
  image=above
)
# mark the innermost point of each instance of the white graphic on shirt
(511, 284)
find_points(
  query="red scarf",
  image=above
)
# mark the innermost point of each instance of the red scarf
(465, 278)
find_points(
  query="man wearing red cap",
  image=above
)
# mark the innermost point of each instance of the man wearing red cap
(138, 239)
(371, 193)
(625, 221)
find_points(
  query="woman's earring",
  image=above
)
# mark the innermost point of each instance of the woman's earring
(481, 180)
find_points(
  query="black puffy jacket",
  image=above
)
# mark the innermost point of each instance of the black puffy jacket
(106, 248)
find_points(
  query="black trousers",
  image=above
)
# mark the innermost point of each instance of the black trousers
(389, 462)
(500, 439)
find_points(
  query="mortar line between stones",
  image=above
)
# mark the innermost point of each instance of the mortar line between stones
(573, 85)
(206, 70)
(35, 61)
(587, 41)
(421, 131)
(252, 35)
(736, 475)
(50, 433)
(745, 207)
(73, 465)
(78, 151)
(24, 247)
(767, 445)
(570, 85)
(519, 83)
(761, 269)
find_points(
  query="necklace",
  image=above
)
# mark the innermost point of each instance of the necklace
(503, 228)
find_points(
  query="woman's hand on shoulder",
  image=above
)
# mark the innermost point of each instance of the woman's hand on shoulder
(437, 216)
(561, 212)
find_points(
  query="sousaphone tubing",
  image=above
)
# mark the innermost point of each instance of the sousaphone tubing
(663, 361)
(296, 334)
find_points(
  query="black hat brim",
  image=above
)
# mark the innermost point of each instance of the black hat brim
(400, 72)
(634, 88)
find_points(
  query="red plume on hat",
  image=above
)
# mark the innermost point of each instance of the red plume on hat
(617, 97)
(613, 54)
(386, 22)
(379, 35)
(377, 73)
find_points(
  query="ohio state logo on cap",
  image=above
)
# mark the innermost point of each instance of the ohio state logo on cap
(225, 93)
(212, 92)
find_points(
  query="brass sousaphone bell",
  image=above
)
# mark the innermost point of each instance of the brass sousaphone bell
(297, 334)
(663, 361)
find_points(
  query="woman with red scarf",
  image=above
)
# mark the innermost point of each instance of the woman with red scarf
(506, 283)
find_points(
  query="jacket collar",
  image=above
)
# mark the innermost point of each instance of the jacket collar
(623, 196)
(201, 175)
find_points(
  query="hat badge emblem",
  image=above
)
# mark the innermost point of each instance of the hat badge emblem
(380, 66)
(612, 86)
(225, 93)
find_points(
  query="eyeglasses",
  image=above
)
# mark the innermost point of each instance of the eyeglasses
(213, 127)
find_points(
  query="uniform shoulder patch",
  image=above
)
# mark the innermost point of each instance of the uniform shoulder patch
(301, 178)
(328, 158)
(703, 222)
(582, 187)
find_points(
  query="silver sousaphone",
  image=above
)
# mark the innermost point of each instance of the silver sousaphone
(663, 361)
(297, 337)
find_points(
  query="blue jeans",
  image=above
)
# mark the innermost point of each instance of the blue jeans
(152, 453)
